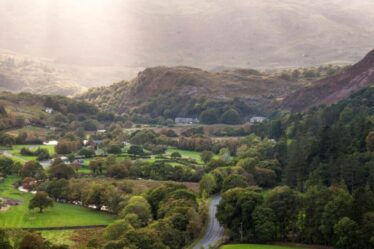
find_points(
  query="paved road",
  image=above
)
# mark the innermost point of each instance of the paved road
(214, 230)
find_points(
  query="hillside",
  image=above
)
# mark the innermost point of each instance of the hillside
(334, 88)
(186, 91)
(26, 110)
(64, 76)
(21, 74)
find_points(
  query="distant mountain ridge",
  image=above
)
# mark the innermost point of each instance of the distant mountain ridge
(175, 91)
(334, 88)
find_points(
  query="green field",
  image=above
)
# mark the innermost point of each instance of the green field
(15, 152)
(60, 215)
(258, 246)
(186, 154)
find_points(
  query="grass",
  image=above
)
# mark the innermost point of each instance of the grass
(17, 156)
(186, 154)
(58, 216)
(258, 246)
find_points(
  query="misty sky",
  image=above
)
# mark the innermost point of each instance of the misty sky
(191, 32)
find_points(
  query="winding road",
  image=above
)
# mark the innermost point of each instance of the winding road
(214, 231)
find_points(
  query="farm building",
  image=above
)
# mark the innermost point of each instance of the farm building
(256, 119)
(180, 120)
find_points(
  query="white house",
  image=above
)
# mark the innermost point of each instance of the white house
(51, 142)
(48, 110)
(257, 119)
(180, 120)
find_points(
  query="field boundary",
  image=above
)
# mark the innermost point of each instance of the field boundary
(62, 228)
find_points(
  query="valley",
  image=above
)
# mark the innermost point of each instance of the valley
(104, 170)
(200, 124)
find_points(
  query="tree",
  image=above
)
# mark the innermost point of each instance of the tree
(41, 200)
(32, 169)
(115, 230)
(144, 238)
(32, 241)
(231, 116)
(115, 149)
(235, 212)
(209, 116)
(363, 202)
(65, 146)
(120, 169)
(175, 155)
(87, 153)
(89, 125)
(170, 236)
(96, 196)
(208, 184)
(234, 181)
(42, 154)
(370, 141)
(206, 156)
(4, 240)
(285, 204)
(97, 166)
(59, 170)
(346, 231)
(135, 150)
(338, 207)
(6, 166)
(138, 205)
(265, 226)
(368, 230)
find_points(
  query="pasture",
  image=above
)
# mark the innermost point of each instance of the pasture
(186, 154)
(15, 152)
(58, 216)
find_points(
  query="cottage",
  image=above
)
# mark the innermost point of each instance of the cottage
(181, 120)
(48, 110)
(257, 119)
(51, 142)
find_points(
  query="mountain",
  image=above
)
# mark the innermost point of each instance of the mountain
(185, 91)
(63, 76)
(334, 88)
(22, 74)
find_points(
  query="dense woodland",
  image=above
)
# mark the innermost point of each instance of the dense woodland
(327, 169)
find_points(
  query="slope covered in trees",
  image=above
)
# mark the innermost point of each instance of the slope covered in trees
(170, 92)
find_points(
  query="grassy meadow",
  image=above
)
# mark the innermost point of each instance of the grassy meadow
(186, 154)
(15, 152)
(58, 216)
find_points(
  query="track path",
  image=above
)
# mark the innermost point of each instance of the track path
(214, 231)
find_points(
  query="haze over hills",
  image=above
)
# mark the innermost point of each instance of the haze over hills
(332, 89)
(23, 73)
(75, 45)
(198, 33)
